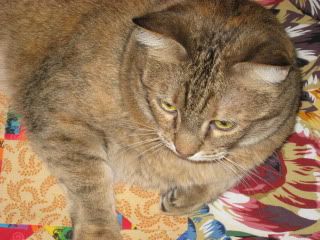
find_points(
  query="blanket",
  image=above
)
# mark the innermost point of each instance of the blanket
(278, 200)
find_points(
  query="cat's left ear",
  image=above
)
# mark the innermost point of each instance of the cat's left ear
(263, 72)
(162, 33)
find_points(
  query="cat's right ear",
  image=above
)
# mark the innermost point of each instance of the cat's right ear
(158, 33)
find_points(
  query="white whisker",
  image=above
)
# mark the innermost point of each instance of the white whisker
(248, 172)
(139, 124)
(138, 144)
(230, 167)
(142, 134)
(150, 149)
(134, 128)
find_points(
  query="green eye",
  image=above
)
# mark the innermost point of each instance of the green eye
(223, 125)
(167, 107)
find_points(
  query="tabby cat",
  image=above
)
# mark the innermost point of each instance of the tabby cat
(183, 96)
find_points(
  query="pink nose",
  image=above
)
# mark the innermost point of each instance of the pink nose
(187, 144)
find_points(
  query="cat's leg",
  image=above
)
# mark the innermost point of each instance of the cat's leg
(89, 187)
(78, 161)
(92, 203)
(182, 200)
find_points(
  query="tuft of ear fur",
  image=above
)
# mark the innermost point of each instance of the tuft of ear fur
(162, 33)
(267, 73)
(160, 47)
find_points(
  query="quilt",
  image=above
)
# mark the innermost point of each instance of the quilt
(278, 200)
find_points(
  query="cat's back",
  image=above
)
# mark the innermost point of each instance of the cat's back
(31, 30)
(34, 18)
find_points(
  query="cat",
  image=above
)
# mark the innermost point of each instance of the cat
(183, 96)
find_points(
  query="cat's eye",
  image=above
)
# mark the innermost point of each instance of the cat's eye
(223, 125)
(168, 107)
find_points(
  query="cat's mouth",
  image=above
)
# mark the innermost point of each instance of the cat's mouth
(197, 157)
(203, 157)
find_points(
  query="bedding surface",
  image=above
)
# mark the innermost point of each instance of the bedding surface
(279, 200)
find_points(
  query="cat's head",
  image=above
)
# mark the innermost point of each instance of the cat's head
(219, 75)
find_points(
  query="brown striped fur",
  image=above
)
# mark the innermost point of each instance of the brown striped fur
(88, 77)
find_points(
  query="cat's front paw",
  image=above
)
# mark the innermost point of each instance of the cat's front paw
(178, 202)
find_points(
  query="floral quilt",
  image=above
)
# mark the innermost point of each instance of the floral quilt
(278, 200)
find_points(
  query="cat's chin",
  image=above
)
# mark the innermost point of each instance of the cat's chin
(202, 158)
(197, 157)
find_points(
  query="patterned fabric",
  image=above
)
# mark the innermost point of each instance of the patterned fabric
(29, 195)
(279, 200)
(311, 7)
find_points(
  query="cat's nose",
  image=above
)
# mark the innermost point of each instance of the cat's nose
(186, 144)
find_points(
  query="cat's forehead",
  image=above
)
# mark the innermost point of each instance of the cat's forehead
(212, 86)
(204, 80)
